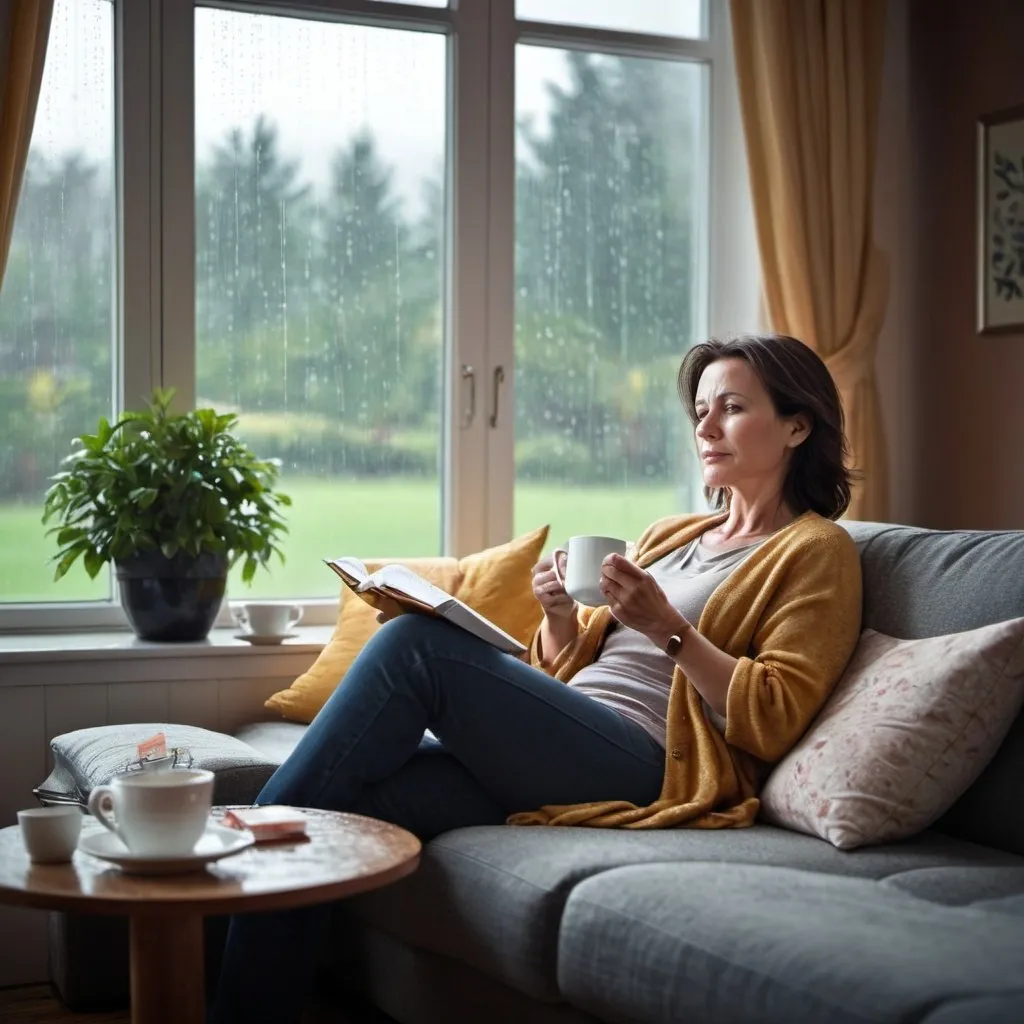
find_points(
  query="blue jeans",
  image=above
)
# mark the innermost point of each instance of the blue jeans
(508, 738)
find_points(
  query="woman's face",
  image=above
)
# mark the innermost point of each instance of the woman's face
(742, 442)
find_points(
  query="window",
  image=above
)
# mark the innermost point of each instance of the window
(658, 17)
(320, 190)
(609, 201)
(443, 260)
(58, 302)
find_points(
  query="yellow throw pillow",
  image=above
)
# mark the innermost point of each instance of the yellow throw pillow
(496, 582)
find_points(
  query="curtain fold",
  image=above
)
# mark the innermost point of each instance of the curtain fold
(24, 32)
(809, 75)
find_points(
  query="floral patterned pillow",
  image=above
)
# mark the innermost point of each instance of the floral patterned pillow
(909, 727)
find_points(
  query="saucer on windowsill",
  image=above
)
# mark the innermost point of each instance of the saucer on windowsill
(265, 639)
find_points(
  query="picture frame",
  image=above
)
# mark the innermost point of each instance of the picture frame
(1001, 222)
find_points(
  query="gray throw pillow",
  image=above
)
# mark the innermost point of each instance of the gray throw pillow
(87, 758)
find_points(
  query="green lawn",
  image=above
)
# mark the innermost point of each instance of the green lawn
(362, 517)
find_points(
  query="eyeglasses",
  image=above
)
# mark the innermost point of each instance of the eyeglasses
(176, 757)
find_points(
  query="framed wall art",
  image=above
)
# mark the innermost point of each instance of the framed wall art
(1001, 222)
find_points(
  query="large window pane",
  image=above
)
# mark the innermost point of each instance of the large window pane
(319, 233)
(609, 164)
(661, 17)
(57, 302)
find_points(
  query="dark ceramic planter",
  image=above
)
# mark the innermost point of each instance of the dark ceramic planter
(172, 600)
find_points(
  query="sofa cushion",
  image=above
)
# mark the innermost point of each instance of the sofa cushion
(731, 944)
(930, 582)
(87, 758)
(493, 896)
(910, 725)
(1007, 1008)
(921, 583)
(275, 740)
(960, 886)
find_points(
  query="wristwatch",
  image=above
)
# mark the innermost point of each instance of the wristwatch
(673, 644)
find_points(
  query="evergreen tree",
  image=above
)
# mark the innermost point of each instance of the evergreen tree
(254, 244)
(56, 317)
(376, 303)
(604, 260)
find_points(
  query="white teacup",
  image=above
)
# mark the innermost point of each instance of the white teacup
(50, 834)
(583, 558)
(156, 813)
(266, 618)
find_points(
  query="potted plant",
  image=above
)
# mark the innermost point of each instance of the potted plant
(174, 501)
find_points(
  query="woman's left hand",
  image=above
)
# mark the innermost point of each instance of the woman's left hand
(636, 600)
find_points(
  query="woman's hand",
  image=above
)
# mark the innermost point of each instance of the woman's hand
(387, 609)
(557, 604)
(560, 625)
(636, 600)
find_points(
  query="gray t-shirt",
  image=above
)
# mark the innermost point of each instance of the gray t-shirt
(631, 674)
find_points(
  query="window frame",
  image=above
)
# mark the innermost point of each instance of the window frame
(154, 52)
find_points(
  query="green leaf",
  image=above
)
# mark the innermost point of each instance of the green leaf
(66, 560)
(94, 561)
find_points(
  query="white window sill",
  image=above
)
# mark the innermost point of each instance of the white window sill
(118, 645)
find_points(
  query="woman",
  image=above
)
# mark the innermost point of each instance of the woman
(719, 643)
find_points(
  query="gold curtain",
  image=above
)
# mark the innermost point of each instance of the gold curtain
(810, 74)
(24, 31)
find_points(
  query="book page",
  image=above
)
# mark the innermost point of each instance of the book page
(404, 580)
(351, 570)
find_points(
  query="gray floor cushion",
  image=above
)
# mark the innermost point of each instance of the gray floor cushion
(87, 758)
(739, 944)
(493, 896)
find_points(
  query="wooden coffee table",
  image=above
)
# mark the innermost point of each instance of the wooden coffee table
(344, 854)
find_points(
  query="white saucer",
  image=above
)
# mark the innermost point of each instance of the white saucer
(264, 639)
(216, 842)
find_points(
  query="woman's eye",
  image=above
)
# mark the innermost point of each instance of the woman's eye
(732, 408)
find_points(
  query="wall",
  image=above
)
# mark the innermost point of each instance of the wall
(968, 464)
(892, 227)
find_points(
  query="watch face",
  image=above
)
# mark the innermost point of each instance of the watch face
(673, 645)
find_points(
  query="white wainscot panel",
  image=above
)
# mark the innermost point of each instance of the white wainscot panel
(241, 701)
(71, 707)
(194, 702)
(137, 702)
(22, 749)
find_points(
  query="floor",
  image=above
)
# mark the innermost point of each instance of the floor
(37, 1004)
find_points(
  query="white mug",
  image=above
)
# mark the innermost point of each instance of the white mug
(266, 618)
(156, 813)
(50, 834)
(583, 566)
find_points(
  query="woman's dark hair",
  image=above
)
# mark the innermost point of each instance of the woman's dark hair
(798, 382)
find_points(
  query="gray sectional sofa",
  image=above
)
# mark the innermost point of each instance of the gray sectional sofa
(756, 925)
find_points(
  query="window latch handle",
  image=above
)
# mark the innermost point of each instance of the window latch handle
(468, 373)
(499, 377)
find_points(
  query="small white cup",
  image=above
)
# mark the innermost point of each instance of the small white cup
(50, 834)
(156, 813)
(584, 556)
(266, 618)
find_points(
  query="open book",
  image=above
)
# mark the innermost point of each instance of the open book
(394, 588)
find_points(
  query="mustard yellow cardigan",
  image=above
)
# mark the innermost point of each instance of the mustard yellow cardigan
(791, 614)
